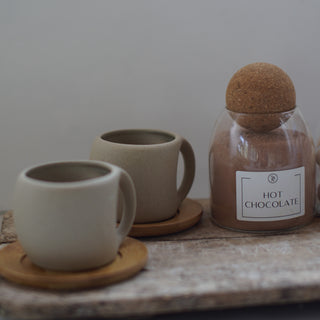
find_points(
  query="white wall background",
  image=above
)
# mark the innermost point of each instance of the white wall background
(72, 69)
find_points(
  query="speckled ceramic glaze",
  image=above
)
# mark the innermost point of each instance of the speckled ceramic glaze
(151, 159)
(65, 213)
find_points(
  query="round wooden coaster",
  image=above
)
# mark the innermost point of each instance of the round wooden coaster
(188, 215)
(17, 267)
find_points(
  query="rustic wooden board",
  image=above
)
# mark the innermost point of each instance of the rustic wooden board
(7, 229)
(202, 268)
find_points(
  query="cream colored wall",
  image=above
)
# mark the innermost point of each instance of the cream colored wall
(70, 70)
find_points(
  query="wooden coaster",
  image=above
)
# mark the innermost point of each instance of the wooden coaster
(17, 267)
(188, 215)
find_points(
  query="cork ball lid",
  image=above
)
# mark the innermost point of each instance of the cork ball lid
(260, 88)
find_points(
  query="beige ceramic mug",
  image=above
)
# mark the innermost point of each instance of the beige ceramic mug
(151, 159)
(65, 213)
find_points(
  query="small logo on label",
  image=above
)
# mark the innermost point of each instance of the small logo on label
(273, 178)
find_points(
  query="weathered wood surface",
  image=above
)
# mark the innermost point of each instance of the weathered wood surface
(8, 231)
(205, 267)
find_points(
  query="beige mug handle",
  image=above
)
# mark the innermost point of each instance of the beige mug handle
(129, 205)
(189, 170)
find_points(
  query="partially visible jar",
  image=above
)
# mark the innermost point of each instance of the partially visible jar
(262, 181)
(262, 156)
(318, 179)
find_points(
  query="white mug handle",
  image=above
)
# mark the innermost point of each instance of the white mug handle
(129, 205)
(189, 170)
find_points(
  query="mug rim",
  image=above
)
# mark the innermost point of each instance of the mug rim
(110, 172)
(171, 137)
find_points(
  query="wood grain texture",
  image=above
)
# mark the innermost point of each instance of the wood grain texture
(205, 267)
(8, 231)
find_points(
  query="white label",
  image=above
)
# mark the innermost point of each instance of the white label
(270, 196)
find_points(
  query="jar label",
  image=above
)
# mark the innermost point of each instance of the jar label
(270, 196)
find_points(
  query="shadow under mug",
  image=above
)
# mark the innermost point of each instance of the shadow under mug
(65, 213)
(151, 159)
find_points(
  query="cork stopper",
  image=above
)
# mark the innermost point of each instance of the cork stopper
(264, 91)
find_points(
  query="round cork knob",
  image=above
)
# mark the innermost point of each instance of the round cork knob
(261, 92)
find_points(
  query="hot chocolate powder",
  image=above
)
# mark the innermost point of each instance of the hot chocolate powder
(250, 151)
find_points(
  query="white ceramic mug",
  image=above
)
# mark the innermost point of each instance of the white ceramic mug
(151, 158)
(65, 213)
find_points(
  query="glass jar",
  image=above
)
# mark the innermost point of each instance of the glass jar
(318, 178)
(262, 180)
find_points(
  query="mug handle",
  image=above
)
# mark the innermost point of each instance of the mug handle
(189, 170)
(128, 198)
